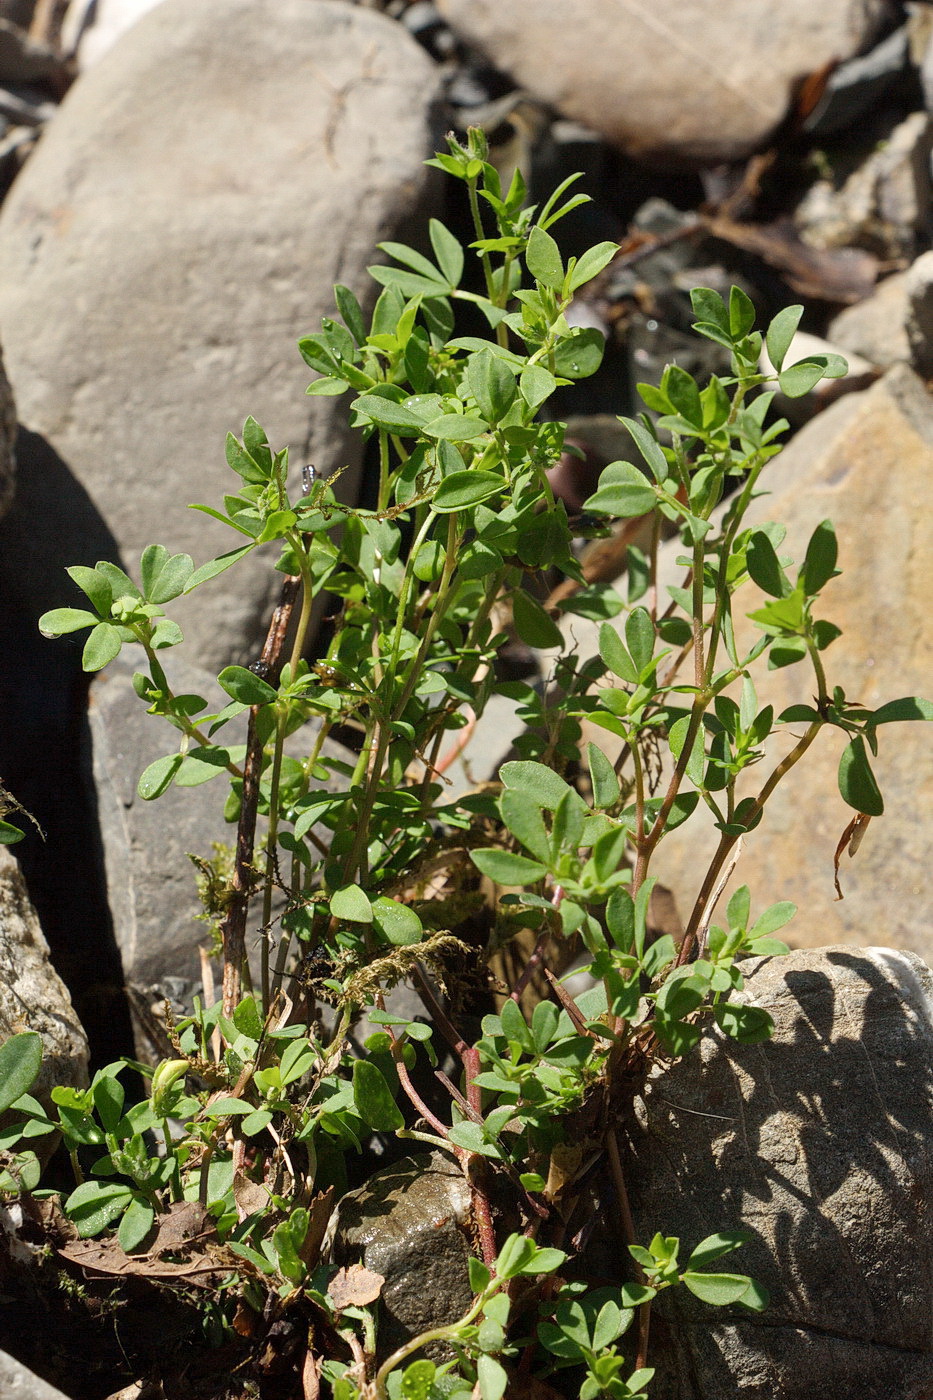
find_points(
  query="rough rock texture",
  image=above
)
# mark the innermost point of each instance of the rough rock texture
(17, 1382)
(865, 464)
(672, 80)
(178, 229)
(7, 442)
(820, 1141)
(32, 995)
(410, 1224)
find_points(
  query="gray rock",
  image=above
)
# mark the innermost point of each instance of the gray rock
(180, 226)
(32, 995)
(151, 883)
(884, 204)
(674, 81)
(876, 328)
(819, 1142)
(410, 1223)
(17, 1382)
(103, 26)
(918, 286)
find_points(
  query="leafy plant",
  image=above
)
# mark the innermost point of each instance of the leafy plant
(380, 870)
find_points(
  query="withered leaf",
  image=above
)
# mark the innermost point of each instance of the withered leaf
(354, 1287)
(850, 840)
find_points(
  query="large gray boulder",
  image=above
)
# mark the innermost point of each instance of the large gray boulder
(820, 1142)
(178, 229)
(32, 995)
(671, 80)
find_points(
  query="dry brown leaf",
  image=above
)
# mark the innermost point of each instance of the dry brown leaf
(832, 274)
(354, 1287)
(850, 840)
(107, 1257)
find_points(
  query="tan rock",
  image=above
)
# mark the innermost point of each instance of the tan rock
(669, 80)
(866, 464)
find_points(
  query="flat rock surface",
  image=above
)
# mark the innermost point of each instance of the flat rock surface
(669, 80)
(820, 1142)
(17, 1382)
(178, 229)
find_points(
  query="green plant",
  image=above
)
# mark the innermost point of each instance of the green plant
(379, 868)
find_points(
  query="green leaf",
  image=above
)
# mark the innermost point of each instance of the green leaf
(709, 306)
(388, 414)
(95, 585)
(101, 647)
(373, 1098)
(715, 1246)
(799, 379)
(579, 354)
(349, 308)
(857, 782)
(780, 334)
(461, 490)
(677, 737)
(536, 384)
(20, 1062)
(820, 562)
(491, 1378)
(908, 707)
(506, 868)
(538, 781)
(523, 819)
(158, 776)
(455, 427)
(605, 783)
(741, 313)
(10, 834)
(777, 916)
(448, 252)
(623, 491)
(718, 1289)
(591, 263)
(397, 923)
(649, 448)
(94, 1205)
(245, 686)
(543, 259)
(683, 393)
(351, 904)
(61, 620)
(217, 566)
(492, 385)
(613, 653)
(163, 575)
(764, 567)
(532, 623)
(746, 1024)
(639, 634)
(138, 1220)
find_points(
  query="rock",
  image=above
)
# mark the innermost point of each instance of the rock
(876, 328)
(17, 1382)
(864, 463)
(107, 21)
(32, 995)
(818, 1142)
(180, 226)
(918, 286)
(7, 442)
(410, 1224)
(884, 204)
(150, 881)
(670, 82)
